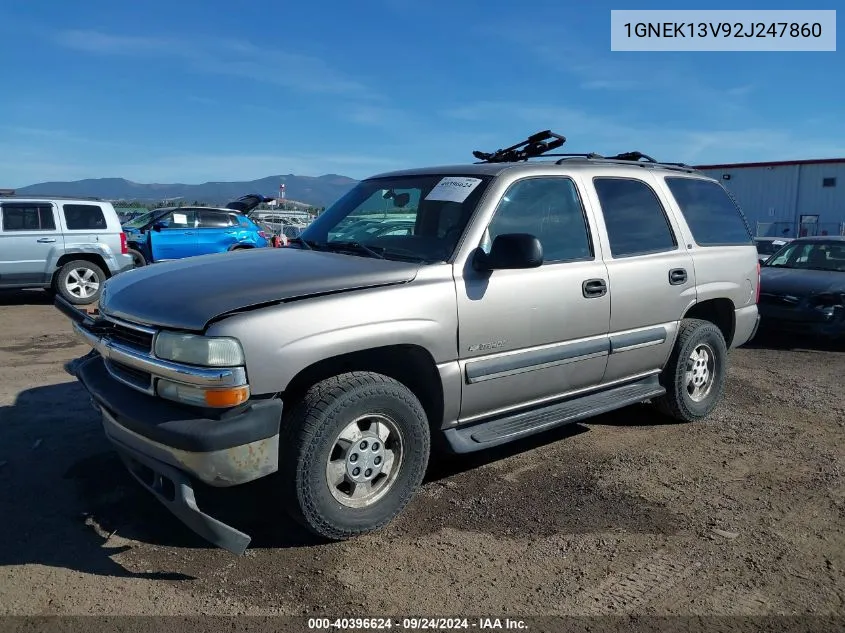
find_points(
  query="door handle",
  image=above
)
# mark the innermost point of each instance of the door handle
(594, 288)
(46, 240)
(188, 233)
(677, 276)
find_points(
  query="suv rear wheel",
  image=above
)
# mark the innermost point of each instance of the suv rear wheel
(695, 376)
(357, 450)
(80, 282)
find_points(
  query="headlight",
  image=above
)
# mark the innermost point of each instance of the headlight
(192, 349)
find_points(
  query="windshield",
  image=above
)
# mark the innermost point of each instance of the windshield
(419, 218)
(810, 256)
(142, 220)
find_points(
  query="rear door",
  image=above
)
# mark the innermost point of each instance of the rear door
(215, 231)
(30, 241)
(177, 237)
(651, 274)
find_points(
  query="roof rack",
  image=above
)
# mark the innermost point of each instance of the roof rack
(535, 145)
(539, 145)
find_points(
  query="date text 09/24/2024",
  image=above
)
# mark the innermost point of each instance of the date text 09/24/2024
(416, 624)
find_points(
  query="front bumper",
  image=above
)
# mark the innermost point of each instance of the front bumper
(803, 321)
(164, 445)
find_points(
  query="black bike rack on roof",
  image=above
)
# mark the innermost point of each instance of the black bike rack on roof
(539, 145)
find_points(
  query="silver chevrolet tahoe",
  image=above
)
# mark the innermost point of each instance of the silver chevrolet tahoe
(529, 294)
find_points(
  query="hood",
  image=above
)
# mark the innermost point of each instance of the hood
(247, 203)
(800, 283)
(186, 294)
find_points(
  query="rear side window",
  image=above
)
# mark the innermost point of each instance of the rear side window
(214, 220)
(635, 220)
(710, 212)
(84, 217)
(28, 217)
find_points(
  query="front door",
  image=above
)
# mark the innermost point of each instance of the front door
(177, 237)
(534, 334)
(30, 241)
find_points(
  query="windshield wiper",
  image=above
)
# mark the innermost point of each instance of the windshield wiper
(353, 246)
(308, 244)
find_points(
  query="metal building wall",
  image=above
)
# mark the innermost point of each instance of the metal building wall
(826, 202)
(774, 197)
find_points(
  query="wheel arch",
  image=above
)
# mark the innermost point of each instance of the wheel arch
(411, 365)
(720, 312)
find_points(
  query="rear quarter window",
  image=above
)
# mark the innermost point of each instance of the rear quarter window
(84, 217)
(710, 212)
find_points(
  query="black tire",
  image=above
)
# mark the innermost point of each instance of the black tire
(678, 403)
(312, 428)
(137, 257)
(88, 271)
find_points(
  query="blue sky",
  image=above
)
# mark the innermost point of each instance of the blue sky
(190, 91)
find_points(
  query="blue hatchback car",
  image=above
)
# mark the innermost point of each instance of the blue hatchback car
(175, 233)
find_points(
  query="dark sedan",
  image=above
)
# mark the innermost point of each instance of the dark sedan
(802, 287)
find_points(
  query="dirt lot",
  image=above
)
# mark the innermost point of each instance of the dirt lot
(743, 514)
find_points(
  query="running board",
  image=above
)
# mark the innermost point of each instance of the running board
(475, 437)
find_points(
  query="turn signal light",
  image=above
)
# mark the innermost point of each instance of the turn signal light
(226, 397)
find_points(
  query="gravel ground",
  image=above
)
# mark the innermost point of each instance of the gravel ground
(628, 514)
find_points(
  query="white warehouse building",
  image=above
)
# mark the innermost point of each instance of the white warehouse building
(787, 198)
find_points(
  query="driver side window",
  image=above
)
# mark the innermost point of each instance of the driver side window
(548, 208)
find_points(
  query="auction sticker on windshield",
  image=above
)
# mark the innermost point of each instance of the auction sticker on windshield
(453, 189)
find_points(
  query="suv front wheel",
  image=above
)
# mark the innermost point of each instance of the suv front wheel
(695, 376)
(356, 450)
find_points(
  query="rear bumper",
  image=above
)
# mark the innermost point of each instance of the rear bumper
(746, 323)
(165, 445)
(121, 264)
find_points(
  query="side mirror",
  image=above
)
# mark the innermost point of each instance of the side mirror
(761, 260)
(158, 226)
(510, 251)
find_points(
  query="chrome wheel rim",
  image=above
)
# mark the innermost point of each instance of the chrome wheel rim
(700, 372)
(82, 283)
(364, 461)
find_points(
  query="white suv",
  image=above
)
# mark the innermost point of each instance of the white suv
(69, 245)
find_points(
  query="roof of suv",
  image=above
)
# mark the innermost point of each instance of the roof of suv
(24, 198)
(541, 145)
(495, 169)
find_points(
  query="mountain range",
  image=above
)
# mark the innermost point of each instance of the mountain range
(318, 191)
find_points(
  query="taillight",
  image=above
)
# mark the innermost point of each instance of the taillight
(262, 235)
(757, 296)
(124, 249)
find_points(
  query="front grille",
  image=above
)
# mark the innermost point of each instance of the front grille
(130, 337)
(134, 377)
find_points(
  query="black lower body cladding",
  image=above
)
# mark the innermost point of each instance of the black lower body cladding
(166, 446)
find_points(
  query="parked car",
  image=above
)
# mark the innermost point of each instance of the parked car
(802, 287)
(335, 366)
(67, 245)
(768, 245)
(178, 232)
